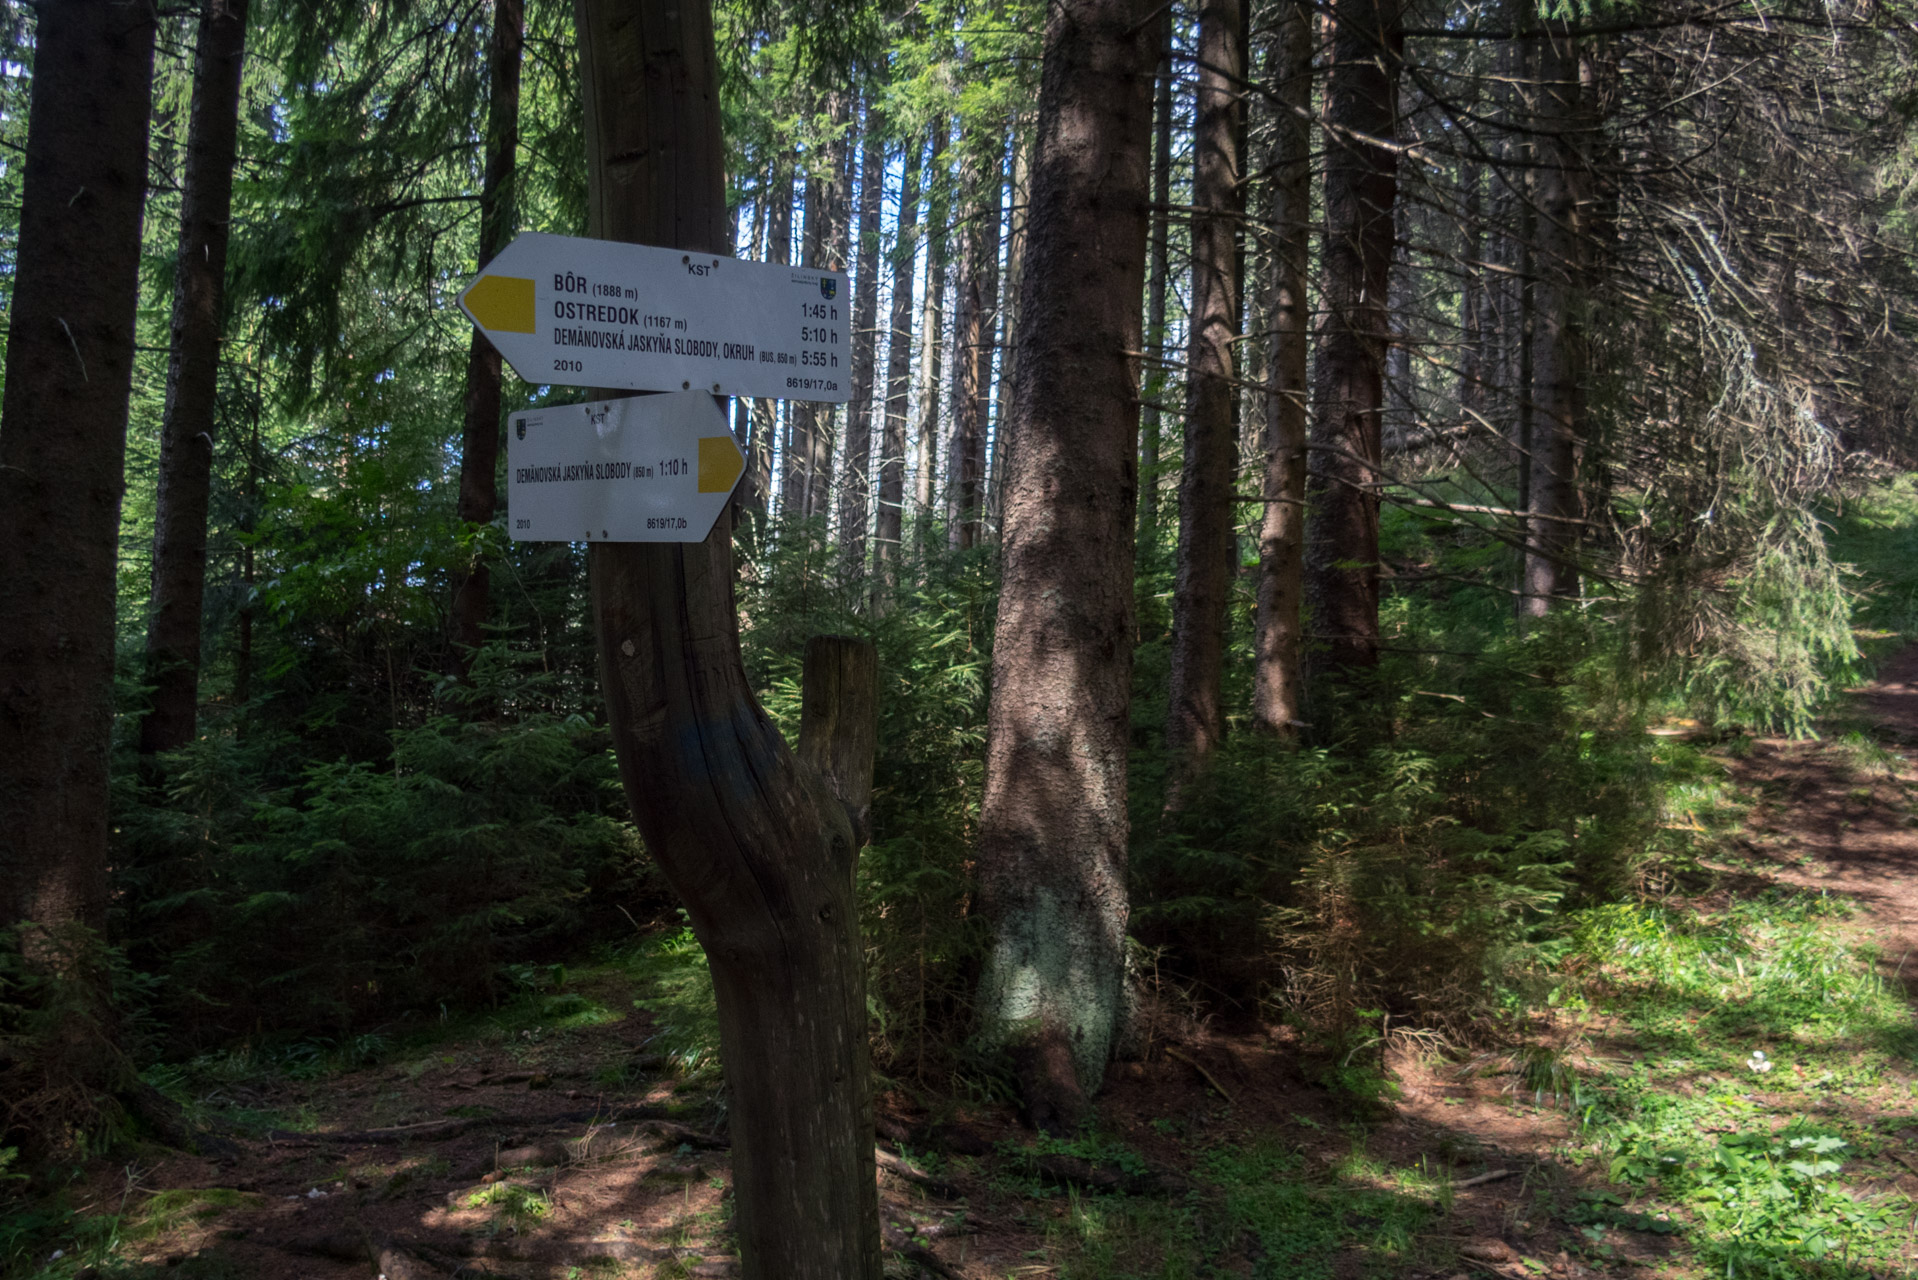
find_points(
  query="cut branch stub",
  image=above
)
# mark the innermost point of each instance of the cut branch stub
(839, 723)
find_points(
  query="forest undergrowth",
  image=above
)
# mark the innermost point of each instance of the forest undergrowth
(1508, 919)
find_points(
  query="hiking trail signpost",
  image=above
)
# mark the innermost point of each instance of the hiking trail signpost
(645, 469)
(604, 313)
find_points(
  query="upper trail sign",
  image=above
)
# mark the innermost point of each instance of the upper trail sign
(603, 313)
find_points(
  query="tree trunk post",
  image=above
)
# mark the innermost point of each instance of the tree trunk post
(932, 315)
(839, 723)
(754, 846)
(982, 183)
(892, 448)
(1549, 575)
(1053, 825)
(480, 436)
(855, 491)
(1278, 693)
(69, 367)
(1195, 705)
(188, 421)
(1361, 188)
(1018, 184)
(1159, 276)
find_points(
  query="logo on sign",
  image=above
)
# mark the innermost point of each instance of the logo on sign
(828, 288)
(519, 428)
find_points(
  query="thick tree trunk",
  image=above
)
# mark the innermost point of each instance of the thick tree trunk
(755, 845)
(193, 374)
(932, 320)
(1278, 691)
(1053, 826)
(1195, 707)
(856, 488)
(892, 448)
(62, 453)
(973, 340)
(479, 442)
(1159, 276)
(1557, 334)
(1361, 187)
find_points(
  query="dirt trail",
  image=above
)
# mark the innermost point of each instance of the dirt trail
(641, 1199)
(1828, 819)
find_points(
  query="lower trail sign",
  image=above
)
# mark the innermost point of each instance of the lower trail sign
(647, 469)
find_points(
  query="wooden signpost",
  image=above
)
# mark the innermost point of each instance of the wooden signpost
(758, 844)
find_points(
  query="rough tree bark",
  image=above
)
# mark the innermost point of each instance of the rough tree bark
(1195, 707)
(1278, 690)
(892, 446)
(1159, 276)
(63, 451)
(1053, 826)
(754, 844)
(974, 328)
(932, 319)
(1557, 335)
(187, 423)
(1361, 186)
(839, 723)
(855, 488)
(479, 440)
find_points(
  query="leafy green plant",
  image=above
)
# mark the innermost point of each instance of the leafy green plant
(679, 995)
(1765, 1202)
(356, 892)
(514, 1202)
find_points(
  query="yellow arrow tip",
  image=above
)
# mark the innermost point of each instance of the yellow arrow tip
(502, 304)
(720, 463)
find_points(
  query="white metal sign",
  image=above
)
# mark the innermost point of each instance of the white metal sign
(603, 313)
(648, 469)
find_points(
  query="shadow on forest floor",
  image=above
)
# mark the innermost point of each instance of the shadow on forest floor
(1721, 1085)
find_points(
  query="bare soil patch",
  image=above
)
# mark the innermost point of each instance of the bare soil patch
(515, 1158)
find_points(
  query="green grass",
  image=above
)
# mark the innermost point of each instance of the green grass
(1254, 1205)
(1734, 1077)
(50, 1241)
(1876, 535)
(514, 1204)
(1753, 1064)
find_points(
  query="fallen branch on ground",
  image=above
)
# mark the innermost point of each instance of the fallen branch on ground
(903, 1244)
(905, 1171)
(454, 1126)
(1223, 1092)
